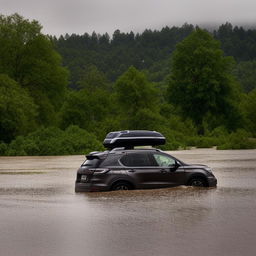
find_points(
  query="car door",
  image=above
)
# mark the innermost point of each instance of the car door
(143, 171)
(170, 172)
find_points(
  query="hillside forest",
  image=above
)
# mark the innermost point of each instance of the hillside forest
(62, 95)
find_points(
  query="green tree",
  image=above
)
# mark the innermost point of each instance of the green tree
(201, 84)
(87, 109)
(134, 91)
(17, 110)
(137, 97)
(28, 57)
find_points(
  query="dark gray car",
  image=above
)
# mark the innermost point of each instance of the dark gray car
(122, 169)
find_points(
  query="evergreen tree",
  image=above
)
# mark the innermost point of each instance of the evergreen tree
(245, 73)
(91, 78)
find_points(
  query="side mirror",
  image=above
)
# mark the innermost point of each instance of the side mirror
(174, 166)
(177, 164)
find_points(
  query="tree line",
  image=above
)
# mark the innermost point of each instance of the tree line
(62, 95)
(151, 52)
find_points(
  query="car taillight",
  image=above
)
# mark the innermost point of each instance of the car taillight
(84, 178)
(101, 171)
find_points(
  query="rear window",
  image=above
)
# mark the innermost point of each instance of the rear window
(92, 162)
(136, 159)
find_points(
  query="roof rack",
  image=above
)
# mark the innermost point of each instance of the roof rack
(124, 149)
(118, 149)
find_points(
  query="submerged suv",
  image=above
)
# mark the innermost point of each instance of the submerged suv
(124, 169)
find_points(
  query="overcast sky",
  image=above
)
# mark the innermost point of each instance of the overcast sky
(80, 16)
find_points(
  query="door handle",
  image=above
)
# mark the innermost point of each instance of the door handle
(131, 170)
(163, 171)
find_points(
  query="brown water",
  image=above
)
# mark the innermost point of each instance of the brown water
(41, 215)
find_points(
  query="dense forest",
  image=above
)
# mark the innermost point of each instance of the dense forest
(151, 52)
(62, 95)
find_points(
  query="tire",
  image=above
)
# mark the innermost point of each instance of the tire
(122, 185)
(198, 182)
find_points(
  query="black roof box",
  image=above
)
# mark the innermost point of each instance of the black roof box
(131, 138)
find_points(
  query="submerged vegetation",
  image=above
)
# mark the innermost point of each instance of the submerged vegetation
(196, 88)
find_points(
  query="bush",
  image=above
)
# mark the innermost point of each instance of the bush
(3, 148)
(174, 139)
(80, 141)
(54, 141)
(238, 140)
(201, 141)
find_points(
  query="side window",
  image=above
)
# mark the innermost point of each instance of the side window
(163, 160)
(136, 159)
(111, 160)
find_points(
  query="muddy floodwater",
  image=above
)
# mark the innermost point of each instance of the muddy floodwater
(40, 214)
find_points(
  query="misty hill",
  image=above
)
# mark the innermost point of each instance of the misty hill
(149, 51)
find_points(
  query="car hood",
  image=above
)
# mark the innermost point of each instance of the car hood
(196, 166)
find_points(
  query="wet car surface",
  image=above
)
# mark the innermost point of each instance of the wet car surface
(42, 215)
